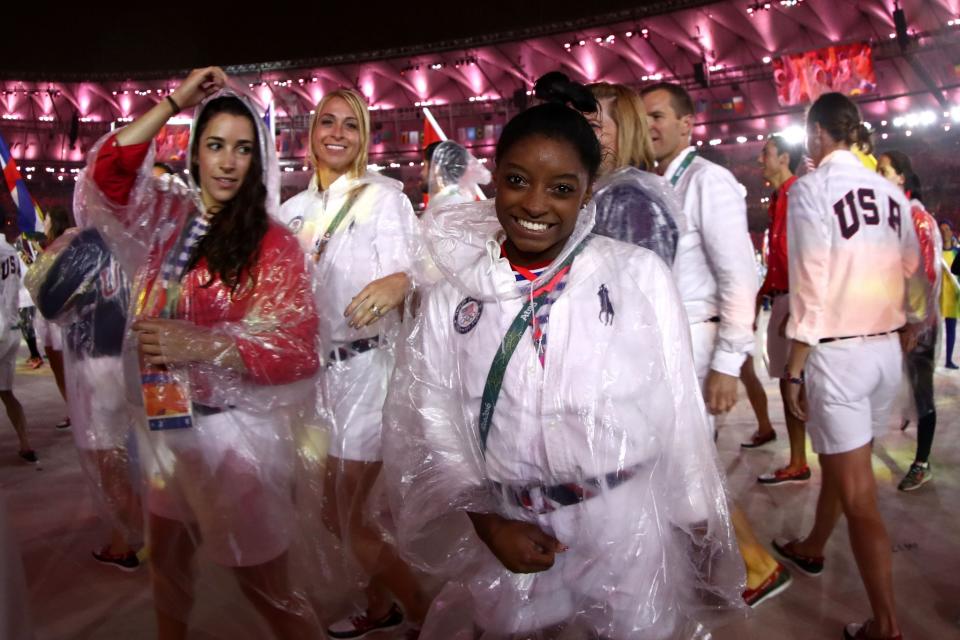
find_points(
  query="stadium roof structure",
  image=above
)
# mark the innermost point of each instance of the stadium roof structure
(448, 55)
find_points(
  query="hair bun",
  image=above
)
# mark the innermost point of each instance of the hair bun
(555, 86)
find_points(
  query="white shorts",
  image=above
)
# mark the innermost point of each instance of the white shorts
(9, 347)
(232, 475)
(100, 414)
(852, 386)
(49, 333)
(354, 392)
(603, 580)
(778, 344)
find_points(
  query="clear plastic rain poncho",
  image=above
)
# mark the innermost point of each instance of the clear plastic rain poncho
(77, 284)
(357, 231)
(232, 461)
(641, 208)
(589, 426)
(455, 176)
(924, 293)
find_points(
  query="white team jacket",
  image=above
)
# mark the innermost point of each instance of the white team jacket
(9, 286)
(851, 248)
(714, 268)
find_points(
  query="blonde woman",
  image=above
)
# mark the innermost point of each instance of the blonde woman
(356, 228)
(626, 211)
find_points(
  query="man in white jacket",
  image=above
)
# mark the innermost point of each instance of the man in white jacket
(717, 278)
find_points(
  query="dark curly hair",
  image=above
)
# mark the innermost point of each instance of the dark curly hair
(232, 245)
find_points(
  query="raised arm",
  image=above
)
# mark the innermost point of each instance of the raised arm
(197, 86)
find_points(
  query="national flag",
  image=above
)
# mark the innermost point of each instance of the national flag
(270, 118)
(29, 216)
(431, 130)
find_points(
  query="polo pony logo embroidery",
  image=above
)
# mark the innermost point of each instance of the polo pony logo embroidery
(467, 315)
(606, 307)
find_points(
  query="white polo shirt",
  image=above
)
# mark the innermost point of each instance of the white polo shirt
(715, 269)
(852, 248)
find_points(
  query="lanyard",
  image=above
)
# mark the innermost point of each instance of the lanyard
(491, 388)
(163, 297)
(337, 221)
(682, 169)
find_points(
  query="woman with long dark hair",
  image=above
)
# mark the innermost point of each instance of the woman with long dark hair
(225, 327)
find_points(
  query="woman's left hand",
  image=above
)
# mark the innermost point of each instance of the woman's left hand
(377, 299)
(171, 342)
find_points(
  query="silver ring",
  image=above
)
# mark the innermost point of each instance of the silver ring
(375, 309)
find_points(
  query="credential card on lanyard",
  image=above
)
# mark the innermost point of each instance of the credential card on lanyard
(166, 400)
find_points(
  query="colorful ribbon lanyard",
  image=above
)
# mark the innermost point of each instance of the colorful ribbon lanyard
(322, 241)
(491, 388)
(682, 169)
(174, 267)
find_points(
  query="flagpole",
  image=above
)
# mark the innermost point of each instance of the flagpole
(433, 123)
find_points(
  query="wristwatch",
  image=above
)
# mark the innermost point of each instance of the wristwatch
(792, 379)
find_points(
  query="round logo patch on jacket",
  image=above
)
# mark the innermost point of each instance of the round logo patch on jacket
(467, 315)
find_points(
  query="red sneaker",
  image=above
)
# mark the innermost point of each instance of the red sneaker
(775, 584)
(784, 476)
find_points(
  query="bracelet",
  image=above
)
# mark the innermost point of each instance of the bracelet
(173, 103)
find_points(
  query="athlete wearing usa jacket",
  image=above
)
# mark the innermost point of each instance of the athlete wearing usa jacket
(852, 251)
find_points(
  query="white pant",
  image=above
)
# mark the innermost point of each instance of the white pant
(852, 386)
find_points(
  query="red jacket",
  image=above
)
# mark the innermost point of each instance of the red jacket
(777, 279)
(274, 323)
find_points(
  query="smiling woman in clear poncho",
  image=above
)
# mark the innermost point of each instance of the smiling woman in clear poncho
(550, 455)
(226, 328)
(357, 230)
